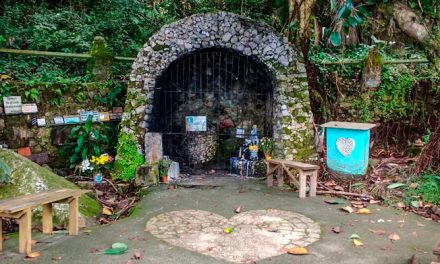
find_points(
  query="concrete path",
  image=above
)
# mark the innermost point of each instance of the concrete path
(216, 202)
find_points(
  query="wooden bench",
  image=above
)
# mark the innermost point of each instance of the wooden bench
(305, 170)
(436, 251)
(20, 208)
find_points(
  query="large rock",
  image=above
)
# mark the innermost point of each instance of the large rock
(27, 177)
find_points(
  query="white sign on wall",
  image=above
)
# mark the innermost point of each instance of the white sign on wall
(195, 123)
(12, 104)
(29, 108)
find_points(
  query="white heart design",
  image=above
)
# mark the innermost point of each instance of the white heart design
(345, 146)
(256, 234)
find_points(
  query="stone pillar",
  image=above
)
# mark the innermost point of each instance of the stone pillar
(101, 64)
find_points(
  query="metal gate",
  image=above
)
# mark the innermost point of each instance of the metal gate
(231, 90)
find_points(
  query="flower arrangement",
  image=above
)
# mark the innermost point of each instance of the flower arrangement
(97, 165)
(253, 148)
(266, 145)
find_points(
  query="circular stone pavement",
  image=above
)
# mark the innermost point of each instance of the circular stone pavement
(256, 235)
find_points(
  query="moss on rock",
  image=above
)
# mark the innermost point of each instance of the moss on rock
(27, 177)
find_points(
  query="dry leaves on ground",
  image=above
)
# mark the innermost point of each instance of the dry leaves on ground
(298, 251)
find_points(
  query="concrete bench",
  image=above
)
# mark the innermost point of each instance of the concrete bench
(304, 170)
(20, 208)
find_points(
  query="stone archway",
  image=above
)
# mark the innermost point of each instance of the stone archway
(292, 119)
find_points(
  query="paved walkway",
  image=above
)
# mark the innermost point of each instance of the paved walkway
(185, 225)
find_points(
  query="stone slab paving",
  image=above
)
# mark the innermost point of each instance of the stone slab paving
(257, 234)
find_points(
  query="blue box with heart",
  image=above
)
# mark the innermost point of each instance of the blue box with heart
(348, 147)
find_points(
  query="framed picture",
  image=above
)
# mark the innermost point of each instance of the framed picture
(195, 123)
(104, 116)
(85, 114)
(71, 119)
(41, 122)
(58, 120)
(115, 116)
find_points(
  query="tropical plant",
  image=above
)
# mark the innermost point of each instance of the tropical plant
(85, 140)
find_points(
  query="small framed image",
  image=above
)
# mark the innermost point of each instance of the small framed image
(58, 120)
(104, 116)
(117, 109)
(239, 133)
(85, 114)
(29, 108)
(115, 116)
(71, 119)
(41, 122)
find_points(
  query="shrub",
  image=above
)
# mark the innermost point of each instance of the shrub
(128, 158)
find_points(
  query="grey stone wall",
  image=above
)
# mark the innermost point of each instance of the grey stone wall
(292, 118)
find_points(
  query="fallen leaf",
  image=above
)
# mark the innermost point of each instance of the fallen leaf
(414, 233)
(335, 201)
(106, 211)
(374, 201)
(56, 258)
(420, 224)
(357, 243)
(33, 242)
(414, 260)
(35, 254)
(347, 209)
(363, 211)
(298, 251)
(380, 221)
(400, 205)
(413, 185)
(338, 188)
(336, 229)
(393, 237)
(377, 231)
(330, 183)
(237, 210)
(122, 204)
(228, 230)
(137, 255)
(415, 204)
(94, 250)
(354, 236)
(87, 231)
(401, 221)
(395, 185)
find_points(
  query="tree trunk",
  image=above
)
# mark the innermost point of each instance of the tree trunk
(408, 21)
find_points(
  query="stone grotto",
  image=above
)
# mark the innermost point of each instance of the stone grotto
(202, 82)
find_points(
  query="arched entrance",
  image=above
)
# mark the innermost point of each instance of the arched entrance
(266, 67)
(232, 91)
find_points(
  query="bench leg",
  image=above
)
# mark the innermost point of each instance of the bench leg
(25, 233)
(73, 216)
(1, 235)
(280, 177)
(313, 183)
(302, 184)
(269, 180)
(47, 219)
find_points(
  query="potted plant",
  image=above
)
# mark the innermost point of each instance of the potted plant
(163, 165)
(266, 145)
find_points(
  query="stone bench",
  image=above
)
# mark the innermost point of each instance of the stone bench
(20, 208)
(305, 170)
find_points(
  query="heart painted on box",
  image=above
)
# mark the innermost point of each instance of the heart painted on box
(256, 235)
(345, 146)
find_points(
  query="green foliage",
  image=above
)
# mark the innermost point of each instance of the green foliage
(86, 140)
(128, 158)
(428, 189)
(163, 165)
(5, 172)
(115, 94)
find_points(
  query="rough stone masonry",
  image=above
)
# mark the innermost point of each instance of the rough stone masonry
(292, 118)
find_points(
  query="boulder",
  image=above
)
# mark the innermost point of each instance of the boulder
(26, 177)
